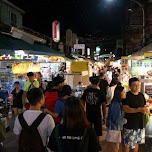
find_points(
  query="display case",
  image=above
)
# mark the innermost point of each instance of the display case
(49, 70)
(6, 78)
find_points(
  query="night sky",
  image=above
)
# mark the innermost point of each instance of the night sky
(82, 16)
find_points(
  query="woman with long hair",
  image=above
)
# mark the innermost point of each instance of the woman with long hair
(115, 120)
(111, 89)
(74, 135)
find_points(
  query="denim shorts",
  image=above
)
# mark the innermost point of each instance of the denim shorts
(132, 137)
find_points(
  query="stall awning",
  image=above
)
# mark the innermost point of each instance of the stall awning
(9, 43)
(146, 49)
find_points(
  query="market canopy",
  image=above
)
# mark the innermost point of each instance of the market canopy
(146, 49)
(8, 43)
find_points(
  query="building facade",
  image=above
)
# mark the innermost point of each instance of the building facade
(10, 14)
(133, 28)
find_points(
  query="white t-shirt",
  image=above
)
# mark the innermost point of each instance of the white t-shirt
(45, 128)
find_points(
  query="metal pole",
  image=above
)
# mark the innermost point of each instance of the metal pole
(143, 11)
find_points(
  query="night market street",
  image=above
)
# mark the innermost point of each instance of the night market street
(65, 64)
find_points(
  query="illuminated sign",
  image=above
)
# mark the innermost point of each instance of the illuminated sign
(79, 46)
(56, 31)
(141, 67)
(98, 50)
(25, 67)
(79, 66)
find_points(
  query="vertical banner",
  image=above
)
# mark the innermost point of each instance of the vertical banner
(56, 31)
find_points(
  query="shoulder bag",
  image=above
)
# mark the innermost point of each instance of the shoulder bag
(113, 136)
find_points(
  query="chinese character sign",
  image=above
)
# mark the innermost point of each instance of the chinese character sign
(56, 31)
(25, 67)
(141, 67)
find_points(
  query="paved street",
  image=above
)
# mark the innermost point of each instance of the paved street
(10, 143)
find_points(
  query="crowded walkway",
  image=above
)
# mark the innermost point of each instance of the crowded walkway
(10, 143)
(55, 107)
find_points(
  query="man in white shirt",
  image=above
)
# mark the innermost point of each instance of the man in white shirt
(36, 100)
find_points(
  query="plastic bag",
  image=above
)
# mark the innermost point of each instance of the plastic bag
(147, 118)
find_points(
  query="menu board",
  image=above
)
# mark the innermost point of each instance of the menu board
(141, 67)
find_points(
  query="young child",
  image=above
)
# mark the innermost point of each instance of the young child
(36, 100)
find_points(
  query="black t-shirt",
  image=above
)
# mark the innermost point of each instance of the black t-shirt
(71, 140)
(103, 85)
(17, 97)
(134, 120)
(94, 98)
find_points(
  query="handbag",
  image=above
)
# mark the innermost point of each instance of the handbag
(113, 136)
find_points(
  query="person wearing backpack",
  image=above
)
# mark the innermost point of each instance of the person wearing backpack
(75, 134)
(33, 127)
(52, 95)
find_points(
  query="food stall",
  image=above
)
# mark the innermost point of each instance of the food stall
(77, 74)
(17, 62)
(53, 66)
(143, 69)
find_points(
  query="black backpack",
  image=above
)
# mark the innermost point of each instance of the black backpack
(30, 139)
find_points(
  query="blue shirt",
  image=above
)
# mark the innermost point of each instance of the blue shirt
(21, 83)
(59, 107)
(115, 120)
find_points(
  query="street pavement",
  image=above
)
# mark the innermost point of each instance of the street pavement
(10, 142)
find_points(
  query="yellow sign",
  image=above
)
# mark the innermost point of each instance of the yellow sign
(25, 67)
(148, 54)
(79, 66)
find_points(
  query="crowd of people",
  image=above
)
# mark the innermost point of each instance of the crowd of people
(51, 118)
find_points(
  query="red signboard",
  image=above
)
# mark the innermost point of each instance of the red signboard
(56, 31)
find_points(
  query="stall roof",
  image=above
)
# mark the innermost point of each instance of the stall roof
(9, 43)
(146, 49)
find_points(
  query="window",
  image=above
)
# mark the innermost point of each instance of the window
(13, 20)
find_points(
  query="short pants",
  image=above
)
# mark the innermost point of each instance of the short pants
(17, 104)
(132, 137)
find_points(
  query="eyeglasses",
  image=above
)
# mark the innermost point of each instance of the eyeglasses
(135, 85)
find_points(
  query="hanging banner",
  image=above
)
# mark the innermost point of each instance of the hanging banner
(56, 31)
(25, 67)
(79, 66)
